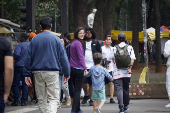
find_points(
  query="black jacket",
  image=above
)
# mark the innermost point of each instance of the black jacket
(95, 46)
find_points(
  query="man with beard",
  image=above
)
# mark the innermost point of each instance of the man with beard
(91, 46)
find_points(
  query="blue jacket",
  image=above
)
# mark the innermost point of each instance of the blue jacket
(98, 74)
(46, 53)
(20, 53)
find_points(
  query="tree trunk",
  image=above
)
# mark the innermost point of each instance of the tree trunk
(135, 34)
(98, 20)
(158, 42)
(80, 13)
(2, 9)
(90, 6)
(149, 14)
(108, 17)
(117, 10)
(103, 21)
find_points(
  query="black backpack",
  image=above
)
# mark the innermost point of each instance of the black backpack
(122, 57)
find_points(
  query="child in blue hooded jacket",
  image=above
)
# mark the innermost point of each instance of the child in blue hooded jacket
(98, 74)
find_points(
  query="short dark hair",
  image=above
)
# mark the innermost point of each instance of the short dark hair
(122, 37)
(97, 58)
(67, 35)
(109, 36)
(46, 23)
(24, 35)
(91, 31)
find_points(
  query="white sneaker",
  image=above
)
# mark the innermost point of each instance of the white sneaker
(97, 109)
(168, 105)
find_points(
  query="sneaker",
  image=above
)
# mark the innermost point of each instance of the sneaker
(68, 102)
(97, 109)
(58, 106)
(91, 102)
(112, 100)
(85, 99)
(121, 110)
(126, 108)
(168, 105)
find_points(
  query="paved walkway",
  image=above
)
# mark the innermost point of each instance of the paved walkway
(136, 106)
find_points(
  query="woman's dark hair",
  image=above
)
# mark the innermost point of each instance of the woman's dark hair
(77, 30)
(46, 23)
(67, 35)
(24, 35)
(91, 31)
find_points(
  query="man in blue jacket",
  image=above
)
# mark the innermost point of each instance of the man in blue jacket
(45, 57)
(19, 58)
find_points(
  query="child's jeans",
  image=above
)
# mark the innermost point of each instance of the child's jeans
(61, 84)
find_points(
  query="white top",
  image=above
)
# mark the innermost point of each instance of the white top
(90, 20)
(167, 52)
(109, 55)
(122, 73)
(88, 55)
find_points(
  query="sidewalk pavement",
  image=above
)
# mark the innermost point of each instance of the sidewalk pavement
(136, 106)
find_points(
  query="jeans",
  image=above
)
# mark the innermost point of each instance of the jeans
(2, 105)
(76, 77)
(47, 90)
(18, 75)
(61, 84)
(122, 91)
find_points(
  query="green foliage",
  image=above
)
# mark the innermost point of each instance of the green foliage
(11, 10)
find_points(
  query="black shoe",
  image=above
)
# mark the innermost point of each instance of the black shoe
(91, 102)
(121, 111)
(15, 103)
(23, 103)
(126, 108)
(112, 100)
(85, 99)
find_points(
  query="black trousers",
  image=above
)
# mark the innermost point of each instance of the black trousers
(76, 77)
(122, 90)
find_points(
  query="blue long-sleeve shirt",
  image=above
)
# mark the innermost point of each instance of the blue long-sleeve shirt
(20, 53)
(46, 53)
(98, 74)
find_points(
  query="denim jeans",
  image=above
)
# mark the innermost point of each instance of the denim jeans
(76, 77)
(18, 75)
(2, 105)
(61, 84)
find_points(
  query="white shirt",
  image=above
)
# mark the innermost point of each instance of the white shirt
(88, 55)
(109, 55)
(167, 52)
(122, 73)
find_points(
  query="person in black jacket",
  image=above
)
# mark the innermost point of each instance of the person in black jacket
(91, 46)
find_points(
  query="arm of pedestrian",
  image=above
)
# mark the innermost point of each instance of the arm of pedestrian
(107, 74)
(85, 72)
(17, 52)
(28, 81)
(66, 79)
(8, 78)
(88, 74)
(130, 68)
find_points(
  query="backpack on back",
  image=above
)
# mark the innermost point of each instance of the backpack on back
(122, 57)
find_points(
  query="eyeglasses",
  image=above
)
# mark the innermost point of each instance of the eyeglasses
(81, 33)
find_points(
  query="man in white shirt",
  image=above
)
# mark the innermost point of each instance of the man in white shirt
(167, 55)
(108, 57)
(122, 76)
(91, 46)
